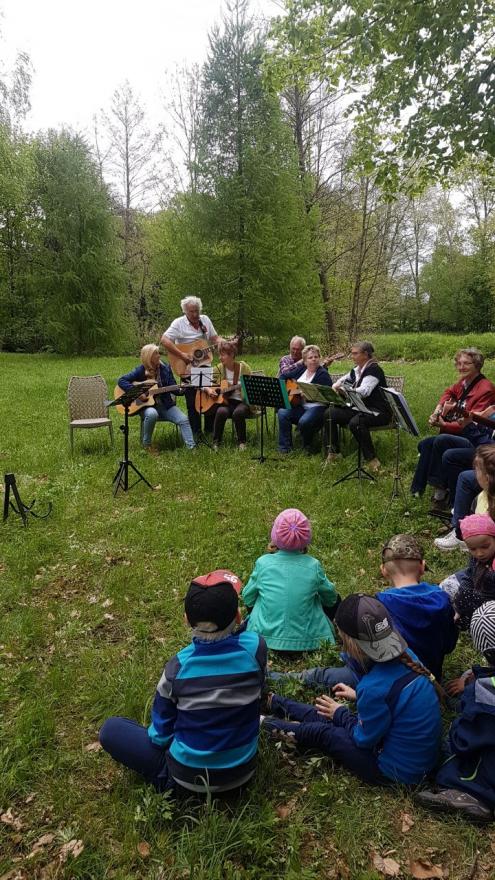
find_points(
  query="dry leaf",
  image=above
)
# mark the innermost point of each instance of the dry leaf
(42, 842)
(73, 848)
(107, 603)
(284, 810)
(30, 797)
(157, 488)
(8, 818)
(407, 822)
(93, 747)
(388, 867)
(109, 616)
(423, 869)
(143, 849)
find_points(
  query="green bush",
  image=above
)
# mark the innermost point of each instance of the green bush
(428, 346)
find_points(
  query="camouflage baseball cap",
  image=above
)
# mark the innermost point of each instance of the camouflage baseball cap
(402, 547)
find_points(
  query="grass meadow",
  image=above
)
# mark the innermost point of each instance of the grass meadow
(91, 610)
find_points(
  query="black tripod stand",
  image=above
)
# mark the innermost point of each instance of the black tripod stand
(198, 382)
(359, 472)
(121, 478)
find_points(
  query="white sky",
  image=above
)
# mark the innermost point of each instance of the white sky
(81, 51)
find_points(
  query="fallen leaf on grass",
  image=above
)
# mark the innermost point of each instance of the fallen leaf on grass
(388, 867)
(8, 818)
(73, 848)
(107, 603)
(157, 488)
(423, 869)
(407, 822)
(43, 841)
(283, 811)
(143, 849)
(93, 747)
(14, 874)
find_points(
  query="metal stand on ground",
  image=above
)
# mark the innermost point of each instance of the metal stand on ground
(359, 472)
(121, 478)
(263, 391)
(22, 509)
(198, 381)
(404, 420)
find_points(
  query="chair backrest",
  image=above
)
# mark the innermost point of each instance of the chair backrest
(86, 396)
(395, 382)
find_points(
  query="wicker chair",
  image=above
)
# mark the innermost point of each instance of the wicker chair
(395, 382)
(86, 396)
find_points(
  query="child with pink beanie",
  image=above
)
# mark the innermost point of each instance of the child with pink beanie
(288, 594)
(475, 584)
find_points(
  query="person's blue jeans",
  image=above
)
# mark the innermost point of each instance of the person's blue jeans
(307, 420)
(128, 743)
(158, 413)
(454, 462)
(429, 467)
(466, 491)
(323, 677)
(333, 738)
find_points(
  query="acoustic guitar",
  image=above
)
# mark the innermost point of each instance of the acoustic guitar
(203, 402)
(293, 391)
(150, 392)
(201, 352)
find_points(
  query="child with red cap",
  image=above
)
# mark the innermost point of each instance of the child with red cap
(204, 726)
(289, 596)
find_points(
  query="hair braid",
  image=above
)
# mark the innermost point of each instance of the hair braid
(418, 667)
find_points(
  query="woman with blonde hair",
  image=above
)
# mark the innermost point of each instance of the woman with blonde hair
(307, 416)
(164, 408)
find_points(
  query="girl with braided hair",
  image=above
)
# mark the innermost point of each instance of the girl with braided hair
(395, 733)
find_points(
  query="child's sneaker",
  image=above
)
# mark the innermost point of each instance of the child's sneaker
(450, 542)
(453, 800)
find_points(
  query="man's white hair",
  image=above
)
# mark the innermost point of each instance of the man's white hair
(299, 339)
(191, 301)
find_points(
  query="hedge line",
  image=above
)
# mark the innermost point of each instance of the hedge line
(423, 346)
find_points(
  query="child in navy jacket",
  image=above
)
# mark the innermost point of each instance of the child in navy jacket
(466, 780)
(394, 735)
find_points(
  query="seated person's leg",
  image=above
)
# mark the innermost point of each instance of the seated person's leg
(221, 416)
(308, 424)
(287, 418)
(323, 677)
(338, 415)
(420, 479)
(239, 415)
(150, 418)
(128, 743)
(177, 417)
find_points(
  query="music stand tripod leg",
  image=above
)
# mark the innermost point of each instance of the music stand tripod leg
(359, 471)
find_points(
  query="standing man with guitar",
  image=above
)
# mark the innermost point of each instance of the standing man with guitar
(162, 408)
(183, 341)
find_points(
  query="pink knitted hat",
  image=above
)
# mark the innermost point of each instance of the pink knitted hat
(291, 530)
(477, 524)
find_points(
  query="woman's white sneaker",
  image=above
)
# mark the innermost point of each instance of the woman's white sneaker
(450, 542)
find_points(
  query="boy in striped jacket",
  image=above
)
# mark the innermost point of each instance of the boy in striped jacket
(205, 716)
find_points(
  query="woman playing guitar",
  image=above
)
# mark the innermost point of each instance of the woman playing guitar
(228, 401)
(307, 416)
(163, 408)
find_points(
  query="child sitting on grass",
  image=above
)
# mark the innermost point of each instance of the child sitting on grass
(204, 726)
(466, 780)
(288, 593)
(474, 585)
(420, 611)
(395, 734)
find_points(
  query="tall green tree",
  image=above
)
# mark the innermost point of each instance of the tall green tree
(242, 238)
(420, 76)
(78, 268)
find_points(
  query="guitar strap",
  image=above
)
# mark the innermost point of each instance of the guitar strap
(467, 388)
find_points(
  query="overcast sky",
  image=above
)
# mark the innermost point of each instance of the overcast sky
(81, 51)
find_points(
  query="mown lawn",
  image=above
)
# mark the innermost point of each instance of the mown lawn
(91, 609)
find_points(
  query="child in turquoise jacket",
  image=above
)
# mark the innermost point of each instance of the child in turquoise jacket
(289, 596)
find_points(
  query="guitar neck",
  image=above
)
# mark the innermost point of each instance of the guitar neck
(483, 420)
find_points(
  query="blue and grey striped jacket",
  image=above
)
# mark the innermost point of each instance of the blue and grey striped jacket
(206, 711)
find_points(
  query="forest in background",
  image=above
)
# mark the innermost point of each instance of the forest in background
(265, 190)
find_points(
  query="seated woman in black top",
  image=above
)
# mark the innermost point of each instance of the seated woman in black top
(367, 378)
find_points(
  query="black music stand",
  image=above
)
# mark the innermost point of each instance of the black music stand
(264, 391)
(121, 478)
(359, 472)
(403, 419)
(199, 382)
(22, 509)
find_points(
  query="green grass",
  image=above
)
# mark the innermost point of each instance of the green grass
(90, 604)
